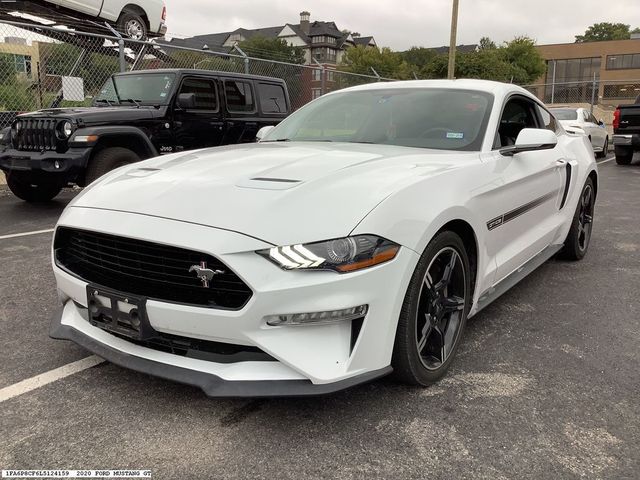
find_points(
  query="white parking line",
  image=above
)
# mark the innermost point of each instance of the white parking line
(48, 377)
(610, 159)
(25, 234)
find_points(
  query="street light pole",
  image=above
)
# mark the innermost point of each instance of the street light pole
(452, 44)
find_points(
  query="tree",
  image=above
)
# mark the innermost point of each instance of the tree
(7, 69)
(599, 32)
(487, 44)
(527, 65)
(272, 49)
(418, 56)
(361, 59)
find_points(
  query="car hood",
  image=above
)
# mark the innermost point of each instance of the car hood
(87, 115)
(280, 193)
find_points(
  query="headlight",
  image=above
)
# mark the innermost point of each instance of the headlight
(341, 254)
(65, 129)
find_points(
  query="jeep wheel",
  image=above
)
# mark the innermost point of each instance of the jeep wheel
(623, 155)
(29, 191)
(108, 159)
(132, 25)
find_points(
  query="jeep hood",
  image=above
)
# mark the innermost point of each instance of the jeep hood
(93, 115)
(282, 193)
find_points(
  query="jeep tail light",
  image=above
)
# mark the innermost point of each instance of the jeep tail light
(164, 12)
(616, 118)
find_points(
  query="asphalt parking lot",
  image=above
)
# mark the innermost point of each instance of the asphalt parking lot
(546, 384)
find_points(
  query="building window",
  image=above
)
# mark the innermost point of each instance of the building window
(316, 93)
(317, 75)
(331, 40)
(621, 92)
(330, 75)
(573, 69)
(22, 64)
(626, 61)
(325, 54)
(318, 39)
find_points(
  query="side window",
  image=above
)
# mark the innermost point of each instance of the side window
(548, 121)
(205, 92)
(272, 98)
(518, 113)
(585, 114)
(239, 96)
(593, 119)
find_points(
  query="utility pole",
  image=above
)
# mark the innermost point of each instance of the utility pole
(452, 44)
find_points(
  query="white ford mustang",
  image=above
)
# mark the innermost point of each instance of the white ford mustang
(354, 240)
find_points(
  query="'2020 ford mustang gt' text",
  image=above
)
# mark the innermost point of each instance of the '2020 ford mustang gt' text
(355, 239)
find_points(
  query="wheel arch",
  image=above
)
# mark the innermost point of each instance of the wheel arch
(129, 141)
(132, 7)
(465, 231)
(593, 175)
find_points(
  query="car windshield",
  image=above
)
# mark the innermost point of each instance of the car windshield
(143, 89)
(565, 113)
(444, 119)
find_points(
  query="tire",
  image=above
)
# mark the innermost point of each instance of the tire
(108, 159)
(605, 149)
(623, 155)
(29, 191)
(412, 360)
(132, 25)
(577, 242)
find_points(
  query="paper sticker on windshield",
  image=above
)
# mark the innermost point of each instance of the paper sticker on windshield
(163, 94)
(455, 135)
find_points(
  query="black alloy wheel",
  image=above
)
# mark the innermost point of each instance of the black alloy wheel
(434, 312)
(579, 237)
(585, 217)
(440, 308)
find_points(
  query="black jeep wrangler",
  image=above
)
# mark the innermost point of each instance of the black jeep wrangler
(136, 115)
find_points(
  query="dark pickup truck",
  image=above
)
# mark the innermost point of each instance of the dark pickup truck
(136, 115)
(626, 132)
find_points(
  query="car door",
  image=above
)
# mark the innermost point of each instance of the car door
(241, 111)
(90, 7)
(521, 207)
(200, 126)
(599, 132)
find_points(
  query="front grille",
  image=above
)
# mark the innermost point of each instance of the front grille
(202, 349)
(36, 134)
(147, 269)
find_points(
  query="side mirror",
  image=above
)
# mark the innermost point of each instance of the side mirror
(263, 132)
(531, 140)
(186, 101)
(601, 123)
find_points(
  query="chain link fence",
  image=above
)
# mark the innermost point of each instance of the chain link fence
(43, 67)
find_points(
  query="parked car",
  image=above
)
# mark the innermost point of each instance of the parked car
(581, 120)
(137, 115)
(626, 132)
(355, 239)
(137, 19)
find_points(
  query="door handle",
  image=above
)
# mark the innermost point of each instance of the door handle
(561, 162)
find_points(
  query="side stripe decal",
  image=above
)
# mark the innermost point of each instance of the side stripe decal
(517, 212)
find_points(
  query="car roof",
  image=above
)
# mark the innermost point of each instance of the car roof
(496, 88)
(193, 71)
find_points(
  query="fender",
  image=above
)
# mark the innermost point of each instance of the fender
(103, 132)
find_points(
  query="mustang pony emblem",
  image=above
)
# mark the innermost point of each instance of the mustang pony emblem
(204, 274)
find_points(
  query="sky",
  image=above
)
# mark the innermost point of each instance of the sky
(401, 24)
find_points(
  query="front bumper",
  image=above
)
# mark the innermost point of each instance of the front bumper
(68, 164)
(212, 385)
(311, 359)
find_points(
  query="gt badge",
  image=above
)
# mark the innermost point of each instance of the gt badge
(204, 274)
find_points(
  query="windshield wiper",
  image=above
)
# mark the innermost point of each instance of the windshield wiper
(277, 140)
(104, 100)
(131, 100)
